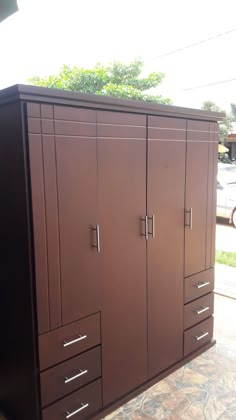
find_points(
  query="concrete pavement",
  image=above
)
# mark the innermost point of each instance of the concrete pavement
(225, 280)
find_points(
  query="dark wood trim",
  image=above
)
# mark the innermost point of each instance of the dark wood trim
(18, 361)
(63, 97)
(151, 382)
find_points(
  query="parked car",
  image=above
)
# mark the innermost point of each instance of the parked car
(226, 192)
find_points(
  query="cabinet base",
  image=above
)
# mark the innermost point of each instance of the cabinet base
(134, 393)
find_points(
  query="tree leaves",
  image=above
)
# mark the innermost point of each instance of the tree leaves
(225, 126)
(117, 79)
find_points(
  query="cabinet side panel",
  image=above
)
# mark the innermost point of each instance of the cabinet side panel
(18, 383)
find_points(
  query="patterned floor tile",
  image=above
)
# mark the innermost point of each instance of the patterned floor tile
(203, 389)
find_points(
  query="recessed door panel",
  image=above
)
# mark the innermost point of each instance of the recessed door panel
(165, 202)
(76, 158)
(122, 205)
(197, 161)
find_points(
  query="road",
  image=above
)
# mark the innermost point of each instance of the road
(225, 236)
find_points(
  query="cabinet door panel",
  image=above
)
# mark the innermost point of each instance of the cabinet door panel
(77, 201)
(196, 196)
(122, 196)
(166, 179)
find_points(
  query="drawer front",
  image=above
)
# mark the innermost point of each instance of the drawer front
(198, 310)
(79, 405)
(69, 376)
(68, 341)
(198, 285)
(198, 336)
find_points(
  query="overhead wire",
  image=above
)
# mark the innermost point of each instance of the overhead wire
(210, 84)
(203, 41)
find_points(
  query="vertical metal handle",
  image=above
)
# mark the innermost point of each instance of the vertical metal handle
(146, 228)
(190, 218)
(153, 226)
(97, 246)
(190, 224)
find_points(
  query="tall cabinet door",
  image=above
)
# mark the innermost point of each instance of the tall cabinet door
(199, 172)
(122, 205)
(76, 167)
(165, 208)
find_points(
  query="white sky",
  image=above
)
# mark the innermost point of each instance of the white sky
(45, 34)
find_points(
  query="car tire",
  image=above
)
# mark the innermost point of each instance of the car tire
(234, 218)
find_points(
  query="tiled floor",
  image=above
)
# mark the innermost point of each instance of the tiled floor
(205, 388)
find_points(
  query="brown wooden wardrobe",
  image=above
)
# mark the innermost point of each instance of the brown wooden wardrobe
(107, 250)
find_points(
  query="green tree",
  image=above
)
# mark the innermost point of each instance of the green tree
(225, 126)
(116, 79)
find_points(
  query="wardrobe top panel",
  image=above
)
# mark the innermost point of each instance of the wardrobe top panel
(64, 97)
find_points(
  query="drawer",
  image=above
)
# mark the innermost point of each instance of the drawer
(63, 343)
(79, 405)
(198, 310)
(69, 376)
(198, 285)
(197, 336)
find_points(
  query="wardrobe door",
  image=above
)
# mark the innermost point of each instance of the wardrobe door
(76, 166)
(165, 208)
(196, 205)
(122, 205)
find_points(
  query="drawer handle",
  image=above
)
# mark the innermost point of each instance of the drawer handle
(202, 284)
(200, 337)
(200, 311)
(68, 343)
(83, 406)
(82, 372)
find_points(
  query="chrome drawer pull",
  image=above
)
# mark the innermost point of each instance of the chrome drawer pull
(200, 311)
(202, 284)
(83, 406)
(68, 343)
(82, 372)
(200, 337)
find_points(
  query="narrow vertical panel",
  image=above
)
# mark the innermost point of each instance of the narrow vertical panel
(211, 193)
(52, 230)
(165, 200)
(209, 207)
(214, 128)
(39, 222)
(122, 205)
(196, 196)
